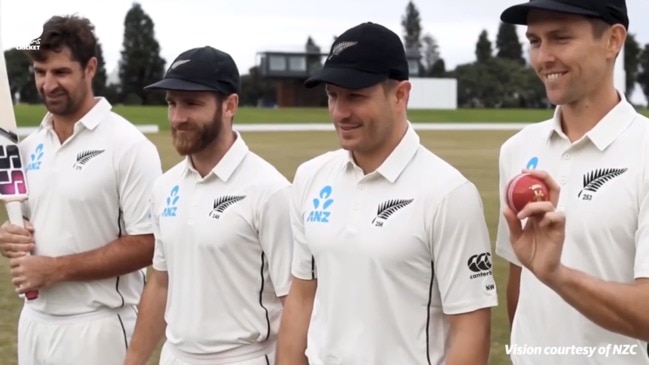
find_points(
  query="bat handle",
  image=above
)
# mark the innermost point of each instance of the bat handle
(15, 213)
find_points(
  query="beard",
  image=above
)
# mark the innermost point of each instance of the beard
(193, 137)
(63, 104)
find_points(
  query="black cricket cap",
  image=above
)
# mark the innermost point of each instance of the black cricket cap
(363, 56)
(610, 11)
(201, 69)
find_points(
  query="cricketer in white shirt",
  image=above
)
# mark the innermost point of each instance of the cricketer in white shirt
(604, 180)
(225, 242)
(85, 193)
(394, 252)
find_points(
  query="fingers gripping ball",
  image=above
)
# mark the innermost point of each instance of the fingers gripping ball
(523, 189)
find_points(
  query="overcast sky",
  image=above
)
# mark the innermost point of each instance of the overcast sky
(245, 27)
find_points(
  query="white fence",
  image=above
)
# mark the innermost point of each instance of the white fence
(433, 93)
(145, 128)
(328, 127)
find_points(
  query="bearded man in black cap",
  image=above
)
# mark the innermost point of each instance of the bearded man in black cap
(578, 286)
(221, 265)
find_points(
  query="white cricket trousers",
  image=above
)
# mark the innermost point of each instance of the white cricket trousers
(170, 356)
(99, 338)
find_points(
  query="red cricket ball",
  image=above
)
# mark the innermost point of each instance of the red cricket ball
(523, 189)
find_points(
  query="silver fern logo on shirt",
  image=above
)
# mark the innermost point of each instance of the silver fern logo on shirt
(594, 180)
(85, 156)
(222, 203)
(387, 209)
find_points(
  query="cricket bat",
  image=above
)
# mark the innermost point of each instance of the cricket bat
(13, 182)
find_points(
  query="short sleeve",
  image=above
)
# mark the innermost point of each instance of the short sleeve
(462, 252)
(303, 264)
(276, 239)
(159, 258)
(138, 168)
(641, 267)
(503, 244)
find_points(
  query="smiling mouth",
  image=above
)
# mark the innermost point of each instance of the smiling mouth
(554, 75)
(349, 127)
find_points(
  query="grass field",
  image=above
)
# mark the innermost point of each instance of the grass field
(473, 153)
(30, 115)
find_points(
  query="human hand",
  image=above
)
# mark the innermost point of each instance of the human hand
(16, 241)
(539, 244)
(32, 272)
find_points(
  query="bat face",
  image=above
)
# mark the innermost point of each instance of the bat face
(13, 184)
(12, 175)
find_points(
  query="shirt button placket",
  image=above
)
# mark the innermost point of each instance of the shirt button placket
(194, 209)
(565, 168)
(356, 207)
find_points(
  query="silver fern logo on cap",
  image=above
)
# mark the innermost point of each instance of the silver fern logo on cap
(338, 48)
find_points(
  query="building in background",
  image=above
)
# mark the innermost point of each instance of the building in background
(291, 69)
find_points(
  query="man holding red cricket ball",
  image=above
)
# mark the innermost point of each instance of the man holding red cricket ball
(575, 226)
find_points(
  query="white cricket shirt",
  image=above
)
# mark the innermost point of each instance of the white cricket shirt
(393, 251)
(225, 242)
(85, 193)
(604, 180)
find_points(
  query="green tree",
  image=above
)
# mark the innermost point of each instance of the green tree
(483, 50)
(257, 90)
(631, 62)
(498, 83)
(438, 69)
(313, 58)
(411, 23)
(99, 81)
(508, 44)
(643, 74)
(472, 80)
(430, 53)
(21, 76)
(140, 62)
(521, 88)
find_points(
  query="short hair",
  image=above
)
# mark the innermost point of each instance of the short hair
(73, 32)
(389, 85)
(599, 27)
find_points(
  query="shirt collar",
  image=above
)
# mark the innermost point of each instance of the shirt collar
(607, 129)
(228, 163)
(398, 159)
(90, 120)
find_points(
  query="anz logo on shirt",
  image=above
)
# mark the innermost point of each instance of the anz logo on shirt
(321, 204)
(35, 158)
(172, 200)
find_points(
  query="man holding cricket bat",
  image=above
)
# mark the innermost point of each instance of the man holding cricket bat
(223, 238)
(88, 226)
